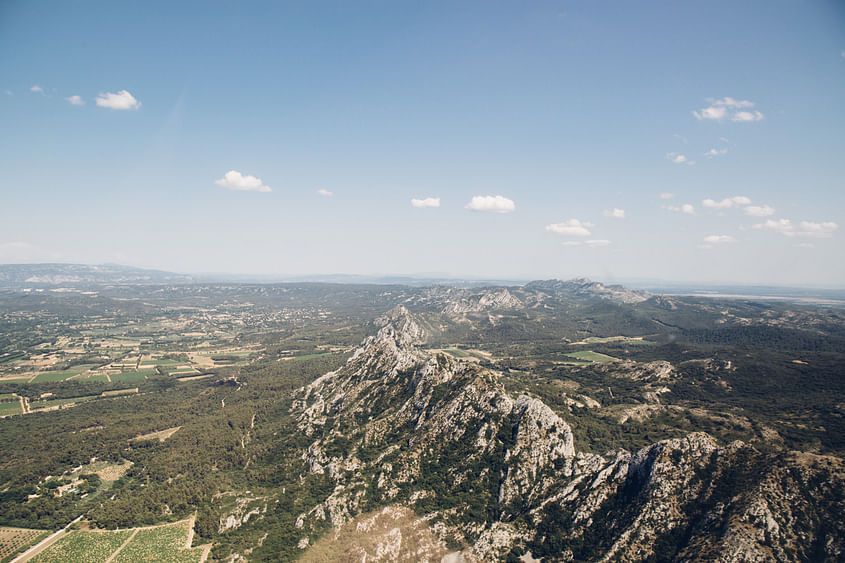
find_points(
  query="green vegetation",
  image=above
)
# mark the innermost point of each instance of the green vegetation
(78, 545)
(590, 356)
(238, 433)
(162, 543)
(10, 408)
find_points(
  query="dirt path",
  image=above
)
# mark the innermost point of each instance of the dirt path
(126, 541)
(191, 521)
(44, 544)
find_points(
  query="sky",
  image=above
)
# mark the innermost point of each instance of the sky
(664, 140)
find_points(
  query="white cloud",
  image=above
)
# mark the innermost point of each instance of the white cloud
(615, 213)
(716, 152)
(712, 112)
(726, 203)
(804, 229)
(324, 193)
(595, 243)
(747, 116)
(759, 210)
(784, 226)
(234, 180)
(688, 209)
(571, 243)
(667, 195)
(818, 230)
(8, 92)
(804, 245)
(76, 101)
(720, 108)
(719, 239)
(571, 228)
(121, 100)
(679, 158)
(36, 88)
(425, 202)
(491, 203)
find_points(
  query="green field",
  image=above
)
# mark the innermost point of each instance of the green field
(456, 353)
(154, 363)
(590, 356)
(305, 356)
(52, 376)
(163, 543)
(80, 545)
(132, 376)
(610, 339)
(10, 408)
(99, 378)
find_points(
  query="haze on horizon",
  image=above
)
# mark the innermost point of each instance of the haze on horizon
(481, 139)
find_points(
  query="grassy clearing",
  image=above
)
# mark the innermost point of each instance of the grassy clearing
(307, 356)
(117, 392)
(10, 408)
(590, 356)
(53, 403)
(638, 340)
(80, 545)
(161, 435)
(456, 353)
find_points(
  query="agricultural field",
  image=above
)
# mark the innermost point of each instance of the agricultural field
(10, 404)
(167, 543)
(15, 540)
(79, 545)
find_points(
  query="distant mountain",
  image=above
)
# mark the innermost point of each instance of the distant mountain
(583, 287)
(30, 275)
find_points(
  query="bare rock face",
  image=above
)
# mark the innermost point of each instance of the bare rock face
(492, 300)
(401, 426)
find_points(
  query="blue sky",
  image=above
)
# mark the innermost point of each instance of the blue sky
(347, 111)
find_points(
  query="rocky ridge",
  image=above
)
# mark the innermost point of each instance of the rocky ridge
(399, 425)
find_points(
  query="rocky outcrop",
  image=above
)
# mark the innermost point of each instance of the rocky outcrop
(492, 300)
(402, 426)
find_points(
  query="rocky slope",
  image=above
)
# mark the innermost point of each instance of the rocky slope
(497, 476)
